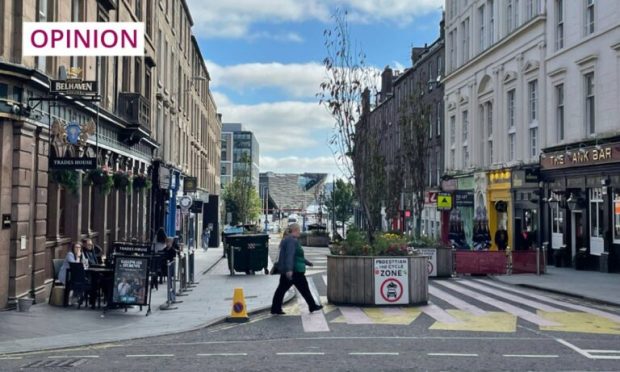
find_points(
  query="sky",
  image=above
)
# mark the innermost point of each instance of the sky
(265, 62)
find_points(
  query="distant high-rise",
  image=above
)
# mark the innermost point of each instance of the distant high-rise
(237, 142)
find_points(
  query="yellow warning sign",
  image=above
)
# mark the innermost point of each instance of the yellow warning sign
(444, 201)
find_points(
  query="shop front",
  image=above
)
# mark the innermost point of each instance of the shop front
(499, 209)
(526, 200)
(582, 189)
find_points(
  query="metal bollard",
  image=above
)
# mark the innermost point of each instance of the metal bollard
(544, 256)
(171, 289)
(537, 261)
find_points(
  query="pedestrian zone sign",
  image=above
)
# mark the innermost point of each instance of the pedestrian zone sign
(432, 260)
(444, 201)
(391, 281)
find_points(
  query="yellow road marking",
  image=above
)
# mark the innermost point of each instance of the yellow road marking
(489, 322)
(580, 323)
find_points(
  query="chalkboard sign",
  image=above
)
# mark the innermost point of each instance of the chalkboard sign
(131, 275)
(132, 248)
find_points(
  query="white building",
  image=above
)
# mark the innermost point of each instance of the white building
(495, 58)
(580, 165)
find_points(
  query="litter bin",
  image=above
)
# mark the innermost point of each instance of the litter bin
(228, 231)
(248, 253)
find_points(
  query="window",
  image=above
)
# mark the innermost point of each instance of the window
(465, 156)
(481, 20)
(589, 17)
(533, 97)
(530, 9)
(149, 18)
(439, 67)
(77, 15)
(490, 152)
(489, 118)
(559, 111)
(490, 5)
(559, 26)
(596, 213)
(589, 93)
(616, 213)
(438, 114)
(465, 33)
(147, 83)
(138, 9)
(452, 158)
(137, 75)
(533, 142)
(511, 146)
(465, 125)
(4, 91)
(509, 15)
(516, 16)
(451, 44)
(452, 130)
(557, 220)
(40, 61)
(510, 109)
(126, 74)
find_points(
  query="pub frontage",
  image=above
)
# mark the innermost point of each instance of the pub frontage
(581, 205)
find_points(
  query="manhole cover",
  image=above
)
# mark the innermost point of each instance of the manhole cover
(59, 362)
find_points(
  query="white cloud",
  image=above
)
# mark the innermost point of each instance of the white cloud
(234, 19)
(287, 126)
(292, 37)
(295, 164)
(296, 79)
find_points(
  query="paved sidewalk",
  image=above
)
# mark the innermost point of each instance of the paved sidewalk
(48, 327)
(591, 285)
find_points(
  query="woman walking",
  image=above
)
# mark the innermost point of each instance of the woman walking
(292, 266)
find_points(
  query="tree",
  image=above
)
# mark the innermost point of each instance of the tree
(341, 201)
(345, 93)
(414, 150)
(240, 196)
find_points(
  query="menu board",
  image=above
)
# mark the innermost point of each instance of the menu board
(131, 274)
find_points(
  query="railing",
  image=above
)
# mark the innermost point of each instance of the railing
(135, 108)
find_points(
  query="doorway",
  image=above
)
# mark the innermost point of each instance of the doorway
(577, 233)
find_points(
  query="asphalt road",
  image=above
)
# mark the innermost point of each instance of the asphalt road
(503, 334)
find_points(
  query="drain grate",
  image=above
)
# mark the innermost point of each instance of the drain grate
(59, 363)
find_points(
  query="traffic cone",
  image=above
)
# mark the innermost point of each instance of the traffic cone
(239, 312)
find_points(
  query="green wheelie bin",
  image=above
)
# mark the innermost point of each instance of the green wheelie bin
(248, 253)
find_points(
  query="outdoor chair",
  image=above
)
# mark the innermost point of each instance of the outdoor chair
(78, 282)
(56, 265)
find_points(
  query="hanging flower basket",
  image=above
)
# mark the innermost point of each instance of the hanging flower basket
(122, 180)
(68, 179)
(141, 181)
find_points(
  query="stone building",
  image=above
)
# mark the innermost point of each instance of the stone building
(423, 81)
(44, 211)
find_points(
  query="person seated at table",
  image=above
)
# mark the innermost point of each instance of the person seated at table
(91, 252)
(74, 255)
(160, 240)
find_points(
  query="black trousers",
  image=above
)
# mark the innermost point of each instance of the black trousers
(300, 282)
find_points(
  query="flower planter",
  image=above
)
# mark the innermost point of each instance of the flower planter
(351, 281)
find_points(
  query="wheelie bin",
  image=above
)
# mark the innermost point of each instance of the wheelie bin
(248, 253)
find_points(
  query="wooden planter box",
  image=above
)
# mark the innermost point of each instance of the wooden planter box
(317, 241)
(350, 280)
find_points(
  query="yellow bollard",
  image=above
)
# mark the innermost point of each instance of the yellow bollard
(239, 312)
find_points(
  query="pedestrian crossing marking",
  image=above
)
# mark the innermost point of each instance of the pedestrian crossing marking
(438, 314)
(509, 308)
(489, 322)
(580, 323)
(510, 297)
(405, 317)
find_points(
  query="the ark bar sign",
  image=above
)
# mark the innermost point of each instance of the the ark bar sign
(83, 39)
(584, 156)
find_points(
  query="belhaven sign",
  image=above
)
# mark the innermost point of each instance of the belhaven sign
(76, 87)
(584, 156)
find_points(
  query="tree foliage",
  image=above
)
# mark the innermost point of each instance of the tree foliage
(414, 122)
(240, 196)
(347, 81)
(341, 201)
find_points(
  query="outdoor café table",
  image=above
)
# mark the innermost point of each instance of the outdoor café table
(101, 281)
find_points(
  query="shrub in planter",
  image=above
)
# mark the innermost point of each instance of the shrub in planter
(101, 177)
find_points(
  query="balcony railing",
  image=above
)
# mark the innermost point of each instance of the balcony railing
(136, 109)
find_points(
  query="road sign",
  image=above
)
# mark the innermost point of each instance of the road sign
(391, 281)
(185, 203)
(432, 260)
(430, 198)
(444, 201)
